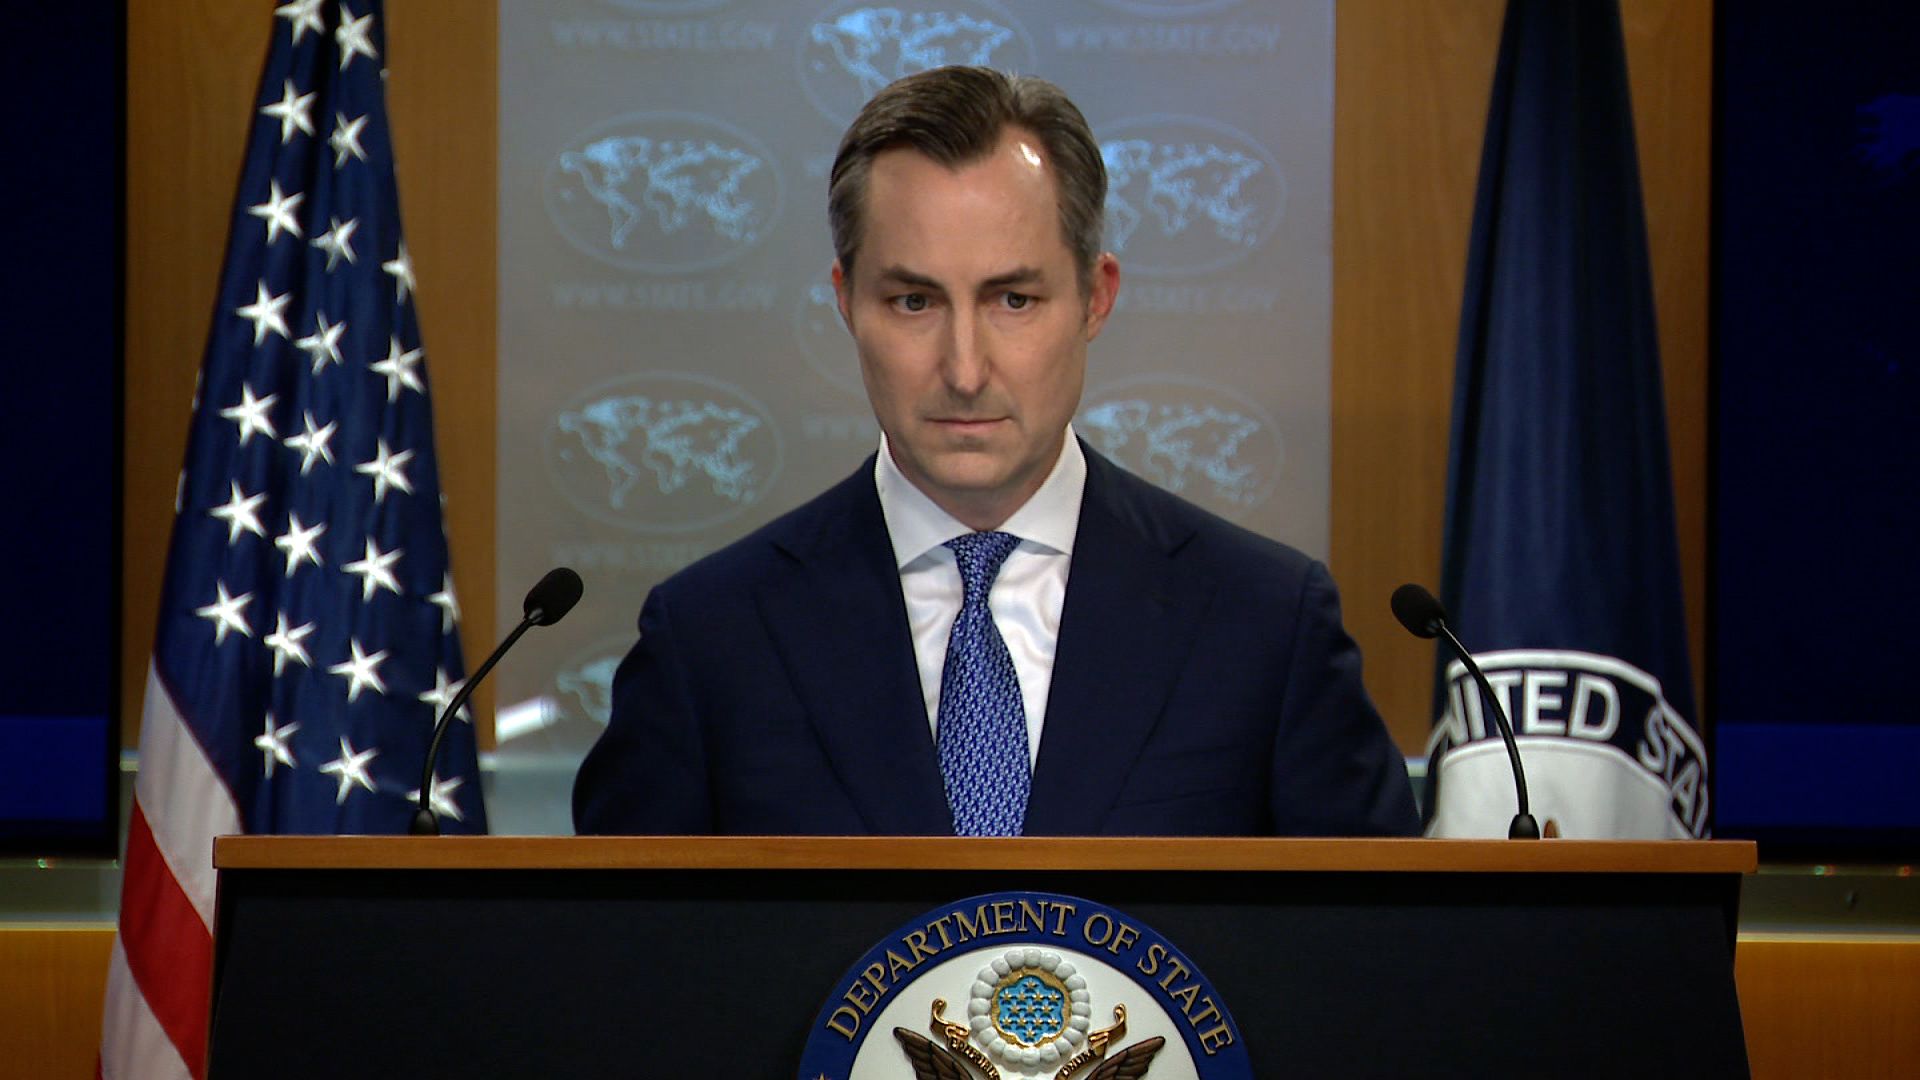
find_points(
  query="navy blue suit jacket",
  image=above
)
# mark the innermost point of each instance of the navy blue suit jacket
(1202, 685)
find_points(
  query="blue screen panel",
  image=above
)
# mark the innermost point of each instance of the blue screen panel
(60, 431)
(1816, 425)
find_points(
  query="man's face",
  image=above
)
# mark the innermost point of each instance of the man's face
(966, 308)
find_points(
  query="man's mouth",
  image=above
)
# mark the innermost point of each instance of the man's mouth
(965, 425)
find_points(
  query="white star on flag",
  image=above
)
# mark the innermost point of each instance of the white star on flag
(337, 241)
(386, 470)
(442, 695)
(401, 267)
(298, 543)
(272, 744)
(398, 368)
(362, 671)
(351, 769)
(323, 345)
(345, 139)
(312, 444)
(251, 414)
(277, 212)
(265, 313)
(304, 15)
(375, 571)
(291, 111)
(440, 796)
(240, 512)
(449, 607)
(285, 644)
(353, 37)
(226, 614)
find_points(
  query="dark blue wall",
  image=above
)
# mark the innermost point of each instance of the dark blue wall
(1816, 412)
(61, 118)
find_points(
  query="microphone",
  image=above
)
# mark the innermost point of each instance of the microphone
(1423, 617)
(547, 602)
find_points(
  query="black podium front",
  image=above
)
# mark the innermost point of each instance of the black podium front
(712, 957)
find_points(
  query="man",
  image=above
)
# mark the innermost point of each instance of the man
(988, 629)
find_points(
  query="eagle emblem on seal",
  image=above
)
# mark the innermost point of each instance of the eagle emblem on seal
(1029, 1009)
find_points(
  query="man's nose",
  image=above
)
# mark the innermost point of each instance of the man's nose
(966, 364)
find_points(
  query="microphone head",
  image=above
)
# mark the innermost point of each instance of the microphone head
(1418, 611)
(554, 596)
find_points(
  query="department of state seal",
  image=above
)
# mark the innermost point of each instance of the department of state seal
(1024, 986)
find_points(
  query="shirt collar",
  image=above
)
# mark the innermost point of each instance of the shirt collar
(917, 525)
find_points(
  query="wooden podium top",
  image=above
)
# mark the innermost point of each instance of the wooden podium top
(950, 853)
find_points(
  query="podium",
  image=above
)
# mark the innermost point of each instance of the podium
(713, 956)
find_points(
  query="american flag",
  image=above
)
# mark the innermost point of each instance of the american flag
(308, 635)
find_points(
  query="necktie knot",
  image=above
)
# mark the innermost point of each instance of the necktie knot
(980, 555)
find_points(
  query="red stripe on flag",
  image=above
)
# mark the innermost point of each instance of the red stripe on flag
(169, 950)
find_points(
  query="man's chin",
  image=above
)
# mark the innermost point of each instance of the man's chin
(981, 489)
(960, 471)
(965, 474)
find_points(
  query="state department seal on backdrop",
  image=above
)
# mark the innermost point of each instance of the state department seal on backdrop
(1021, 986)
(1197, 439)
(854, 47)
(663, 451)
(664, 192)
(1187, 195)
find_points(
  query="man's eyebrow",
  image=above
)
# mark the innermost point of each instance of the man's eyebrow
(1022, 275)
(1019, 275)
(904, 276)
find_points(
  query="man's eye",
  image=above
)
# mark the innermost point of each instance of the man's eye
(1017, 301)
(911, 302)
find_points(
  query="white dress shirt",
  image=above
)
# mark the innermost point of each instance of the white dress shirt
(1026, 597)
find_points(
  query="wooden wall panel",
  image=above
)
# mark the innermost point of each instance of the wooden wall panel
(1411, 93)
(1830, 1007)
(52, 981)
(1670, 66)
(1410, 101)
(192, 70)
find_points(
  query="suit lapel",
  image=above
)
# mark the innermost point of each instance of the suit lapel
(841, 624)
(1128, 622)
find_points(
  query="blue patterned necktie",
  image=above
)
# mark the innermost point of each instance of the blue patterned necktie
(981, 732)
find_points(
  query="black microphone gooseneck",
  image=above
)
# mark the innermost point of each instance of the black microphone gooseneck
(546, 602)
(1423, 617)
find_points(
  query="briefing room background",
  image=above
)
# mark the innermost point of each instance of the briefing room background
(1411, 80)
(1409, 104)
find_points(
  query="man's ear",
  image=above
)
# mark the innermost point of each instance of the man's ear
(1102, 289)
(843, 295)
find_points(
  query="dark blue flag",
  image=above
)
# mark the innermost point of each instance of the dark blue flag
(1560, 566)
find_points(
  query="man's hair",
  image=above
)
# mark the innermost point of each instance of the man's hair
(956, 115)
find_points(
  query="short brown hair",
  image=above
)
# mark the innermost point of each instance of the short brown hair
(955, 115)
